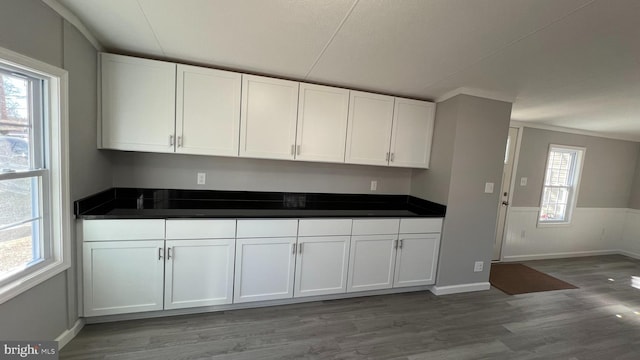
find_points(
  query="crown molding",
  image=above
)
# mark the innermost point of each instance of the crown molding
(493, 95)
(533, 125)
(75, 21)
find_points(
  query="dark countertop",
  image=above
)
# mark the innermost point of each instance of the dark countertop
(131, 203)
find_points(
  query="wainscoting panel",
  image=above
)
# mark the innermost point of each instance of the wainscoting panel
(593, 231)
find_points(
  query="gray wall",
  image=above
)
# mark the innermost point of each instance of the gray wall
(634, 201)
(481, 128)
(179, 171)
(33, 29)
(607, 174)
(433, 184)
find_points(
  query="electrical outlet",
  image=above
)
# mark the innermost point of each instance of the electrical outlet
(202, 178)
(488, 188)
(479, 265)
(374, 185)
(523, 181)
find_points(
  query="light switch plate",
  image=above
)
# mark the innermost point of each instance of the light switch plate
(523, 181)
(374, 185)
(488, 188)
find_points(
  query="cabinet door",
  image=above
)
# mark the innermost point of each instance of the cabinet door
(412, 133)
(369, 129)
(207, 111)
(199, 273)
(371, 263)
(268, 119)
(321, 266)
(322, 123)
(122, 276)
(417, 260)
(138, 104)
(264, 269)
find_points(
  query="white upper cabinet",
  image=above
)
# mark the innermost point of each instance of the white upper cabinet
(207, 111)
(412, 133)
(369, 129)
(268, 117)
(322, 123)
(138, 104)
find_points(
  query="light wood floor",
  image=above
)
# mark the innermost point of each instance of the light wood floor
(600, 320)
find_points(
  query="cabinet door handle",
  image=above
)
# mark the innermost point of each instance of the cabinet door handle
(300, 248)
(393, 156)
(170, 140)
(168, 253)
(159, 253)
(387, 157)
(400, 246)
(179, 141)
(298, 149)
(294, 249)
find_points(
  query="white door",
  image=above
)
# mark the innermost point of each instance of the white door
(372, 262)
(264, 269)
(369, 128)
(138, 104)
(507, 174)
(199, 273)
(122, 276)
(412, 133)
(207, 111)
(268, 117)
(417, 260)
(321, 266)
(322, 123)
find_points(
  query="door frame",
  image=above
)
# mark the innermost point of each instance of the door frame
(512, 186)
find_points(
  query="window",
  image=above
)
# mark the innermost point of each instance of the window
(560, 188)
(34, 215)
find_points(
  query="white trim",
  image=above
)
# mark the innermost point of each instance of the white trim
(462, 288)
(534, 125)
(68, 335)
(561, 255)
(629, 254)
(486, 94)
(57, 113)
(512, 188)
(75, 21)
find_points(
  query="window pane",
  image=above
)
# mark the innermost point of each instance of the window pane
(18, 247)
(18, 200)
(15, 122)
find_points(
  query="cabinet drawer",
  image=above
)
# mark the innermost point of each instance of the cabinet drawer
(105, 230)
(324, 227)
(201, 229)
(420, 225)
(375, 226)
(267, 228)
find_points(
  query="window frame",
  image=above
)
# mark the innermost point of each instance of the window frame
(55, 113)
(576, 177)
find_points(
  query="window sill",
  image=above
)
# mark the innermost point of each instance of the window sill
(24, 283)
(553, 224)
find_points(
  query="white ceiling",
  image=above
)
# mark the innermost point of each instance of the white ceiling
(568, 63)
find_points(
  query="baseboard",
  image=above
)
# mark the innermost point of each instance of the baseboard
(69, 334)
(560, 255)
(462, 288)
(629, 254)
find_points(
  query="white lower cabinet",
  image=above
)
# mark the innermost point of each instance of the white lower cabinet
(123, 276)
(199, 273)
(321, 265)
(264, 269)
(372, 262)
(416, 260)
